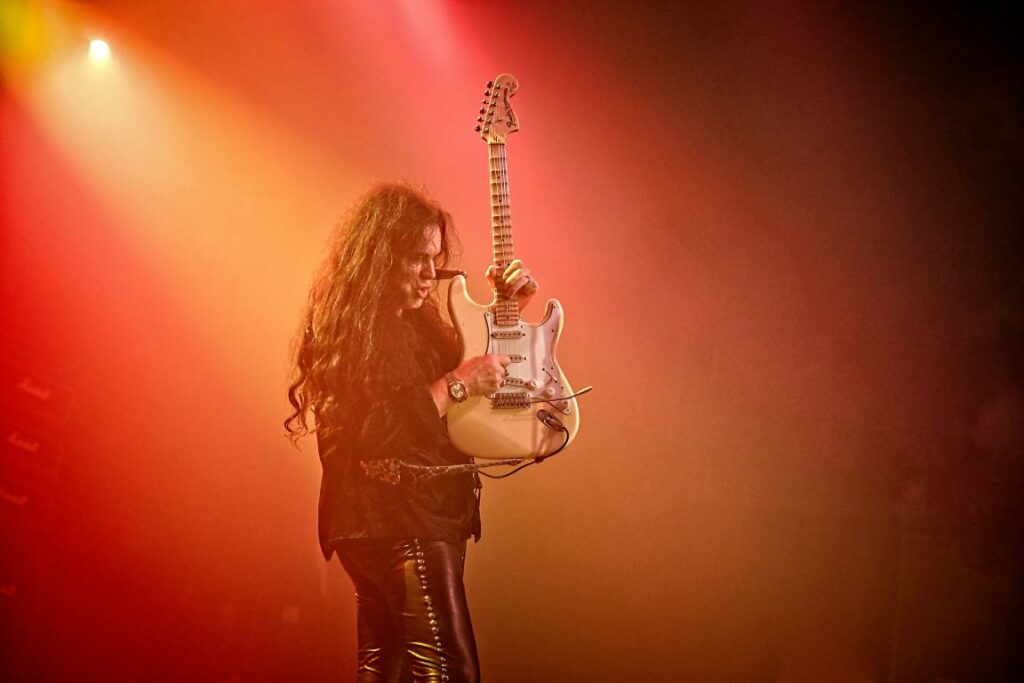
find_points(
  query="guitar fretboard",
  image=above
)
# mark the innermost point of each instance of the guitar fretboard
(506, 311)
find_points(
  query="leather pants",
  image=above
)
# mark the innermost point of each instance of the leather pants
(413, 622)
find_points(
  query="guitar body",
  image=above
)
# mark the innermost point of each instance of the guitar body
(478, 428)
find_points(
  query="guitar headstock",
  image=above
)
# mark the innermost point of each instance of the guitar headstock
(496, 118)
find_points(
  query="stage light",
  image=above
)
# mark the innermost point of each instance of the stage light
(99, 51)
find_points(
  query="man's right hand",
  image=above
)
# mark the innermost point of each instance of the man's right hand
(483, 374)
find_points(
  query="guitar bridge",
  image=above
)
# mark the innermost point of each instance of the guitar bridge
(510, 400)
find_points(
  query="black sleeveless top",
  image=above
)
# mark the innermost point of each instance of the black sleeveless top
(403, 424)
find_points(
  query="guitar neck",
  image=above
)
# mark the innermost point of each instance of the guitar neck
(506, 310)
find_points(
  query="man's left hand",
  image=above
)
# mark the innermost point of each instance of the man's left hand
(515, 282)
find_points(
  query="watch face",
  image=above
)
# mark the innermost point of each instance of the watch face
(458, 390)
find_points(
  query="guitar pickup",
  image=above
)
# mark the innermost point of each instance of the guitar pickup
(507, 334)
(517, 357)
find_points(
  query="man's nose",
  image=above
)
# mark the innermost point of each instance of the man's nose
(431, 270)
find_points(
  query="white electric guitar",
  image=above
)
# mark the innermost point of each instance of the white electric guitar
(535, 412)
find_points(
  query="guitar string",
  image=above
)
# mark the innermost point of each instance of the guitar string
(495, 229)
(510, 344)
(506, 228)
(497, 203)
(498, 166)
(506, 236)
(511, 245)
(495, 190)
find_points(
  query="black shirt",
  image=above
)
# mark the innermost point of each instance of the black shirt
(403, 424)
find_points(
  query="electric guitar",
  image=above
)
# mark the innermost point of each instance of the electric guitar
(534, 413)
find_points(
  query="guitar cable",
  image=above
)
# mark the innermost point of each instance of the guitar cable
(560, 398)
(551, 421)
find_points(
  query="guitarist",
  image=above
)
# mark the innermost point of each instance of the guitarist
(375, 370)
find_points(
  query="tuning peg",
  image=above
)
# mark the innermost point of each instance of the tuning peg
(482, 110)
(483, 101)
(477, 129)
(490, 83)
(480, 119)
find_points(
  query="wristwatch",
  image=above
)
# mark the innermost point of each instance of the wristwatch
(456, 388)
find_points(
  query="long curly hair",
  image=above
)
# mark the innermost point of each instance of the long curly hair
(349, 335)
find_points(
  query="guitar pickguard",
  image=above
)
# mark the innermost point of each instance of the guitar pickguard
(533, 371)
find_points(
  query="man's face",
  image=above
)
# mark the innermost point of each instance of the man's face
(416, 272)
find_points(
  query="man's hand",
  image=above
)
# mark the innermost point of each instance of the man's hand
(483, 374)
(516, 282)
